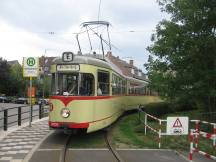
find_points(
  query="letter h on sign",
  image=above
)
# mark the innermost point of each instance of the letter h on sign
(67, 56)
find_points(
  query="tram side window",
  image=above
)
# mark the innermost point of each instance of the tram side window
(103, 83)
(118, 85)
(114, 85)
(137, 90)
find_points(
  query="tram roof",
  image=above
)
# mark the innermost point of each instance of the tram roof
(96, 60)
(90, 59)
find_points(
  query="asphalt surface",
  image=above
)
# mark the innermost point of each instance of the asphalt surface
(51, 148)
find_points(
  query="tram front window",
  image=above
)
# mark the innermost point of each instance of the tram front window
(75, 84)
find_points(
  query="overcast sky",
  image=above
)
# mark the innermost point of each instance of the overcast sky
(25, 26)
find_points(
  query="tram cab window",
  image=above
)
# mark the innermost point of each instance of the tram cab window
(103, 83)
(75, 84)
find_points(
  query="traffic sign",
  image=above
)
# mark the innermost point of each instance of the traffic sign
(177, 125)
(30, 66)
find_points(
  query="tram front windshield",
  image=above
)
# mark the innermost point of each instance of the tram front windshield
(73, 84)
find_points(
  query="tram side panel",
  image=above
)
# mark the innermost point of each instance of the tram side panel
(133, 102)
(106, 111)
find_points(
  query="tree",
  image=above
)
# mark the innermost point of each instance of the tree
(183, 61)
(17, 82)
(4, 76)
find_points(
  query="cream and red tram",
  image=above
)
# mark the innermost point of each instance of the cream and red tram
(91, 93)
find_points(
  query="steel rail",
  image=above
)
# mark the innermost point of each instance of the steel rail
(63, 154)
(110, 147)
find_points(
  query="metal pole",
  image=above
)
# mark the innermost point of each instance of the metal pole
(159, 135)
(197, 131)
(40, 110)
(145, 122)
(78, 43)
(19, 116)
(30, 112)
(191, 146)
(89, 39)
(5, 119)
(102, 48)
(214, 140)
(110, 48)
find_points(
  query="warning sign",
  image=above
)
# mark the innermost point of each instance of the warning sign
(177, 125)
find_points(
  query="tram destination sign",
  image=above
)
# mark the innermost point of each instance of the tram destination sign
(30, 66)
(68, 68)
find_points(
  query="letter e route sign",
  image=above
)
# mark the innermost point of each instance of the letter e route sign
(177, 125)
(30, 66)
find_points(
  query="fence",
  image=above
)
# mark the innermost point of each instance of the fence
(17, 115)
(145, 122)
(194, 133)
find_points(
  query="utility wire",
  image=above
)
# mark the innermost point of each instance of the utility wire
(107, 43)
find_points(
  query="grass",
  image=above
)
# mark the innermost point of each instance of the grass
(129, 133)
(92, 140)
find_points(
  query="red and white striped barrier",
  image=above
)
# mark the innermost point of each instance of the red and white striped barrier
(207, 155)
(207, 135)
(197, 128)
(194, 134)
(153, 117)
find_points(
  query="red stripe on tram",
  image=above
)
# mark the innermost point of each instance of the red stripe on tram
(67, 99)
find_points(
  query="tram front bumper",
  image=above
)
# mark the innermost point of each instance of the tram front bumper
(69, 125)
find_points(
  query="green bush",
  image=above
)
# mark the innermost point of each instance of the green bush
(162, 108)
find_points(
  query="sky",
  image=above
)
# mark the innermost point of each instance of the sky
(48, 27)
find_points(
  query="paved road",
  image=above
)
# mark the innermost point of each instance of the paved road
(50, 150)
(17, 145)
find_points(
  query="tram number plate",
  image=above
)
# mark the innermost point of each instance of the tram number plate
(68, 68)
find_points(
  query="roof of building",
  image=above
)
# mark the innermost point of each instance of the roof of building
(127, 69)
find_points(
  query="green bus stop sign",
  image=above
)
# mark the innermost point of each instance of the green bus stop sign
(30, 61)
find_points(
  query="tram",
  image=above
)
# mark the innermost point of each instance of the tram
(89, 92)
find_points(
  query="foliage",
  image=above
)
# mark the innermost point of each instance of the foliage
(17, 82)
(4, 77)
(12, 82)
(182, 66)
(43, 86)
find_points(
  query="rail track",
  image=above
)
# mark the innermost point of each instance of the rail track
(107, 138)
(63, 154)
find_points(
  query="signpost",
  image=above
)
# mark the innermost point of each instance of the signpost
(177, 125)
(30, 69)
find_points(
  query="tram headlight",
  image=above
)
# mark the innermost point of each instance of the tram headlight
(65, 112)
